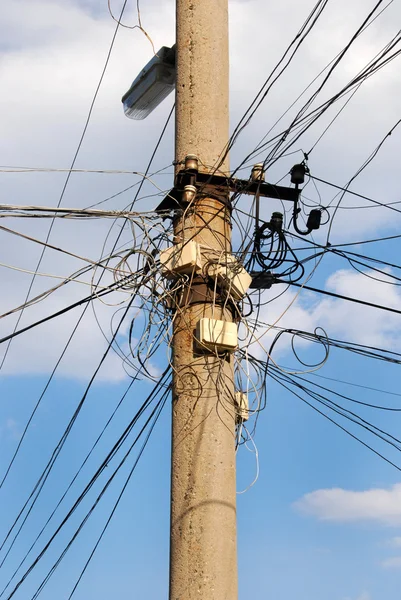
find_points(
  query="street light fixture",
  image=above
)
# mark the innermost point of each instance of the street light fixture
(153, 84)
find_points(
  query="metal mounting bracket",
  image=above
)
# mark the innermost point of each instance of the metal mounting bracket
(224, 185)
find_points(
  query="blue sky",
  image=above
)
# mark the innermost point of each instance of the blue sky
(323, 519)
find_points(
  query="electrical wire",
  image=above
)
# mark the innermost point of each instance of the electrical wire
(66, 182)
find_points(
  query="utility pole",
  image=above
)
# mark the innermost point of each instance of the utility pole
(203, 555)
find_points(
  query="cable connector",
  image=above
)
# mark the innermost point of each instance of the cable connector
(298, 173)
(241, 407)
(276, 222)
(181, 259)
(216, 336)
(314, 219)
(231, 276)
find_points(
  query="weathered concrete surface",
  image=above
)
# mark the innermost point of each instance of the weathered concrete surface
(203, 561)
(202, 80)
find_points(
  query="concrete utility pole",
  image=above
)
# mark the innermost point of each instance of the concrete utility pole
(203, 559)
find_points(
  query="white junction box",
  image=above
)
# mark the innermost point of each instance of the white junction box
(217, 335)
(181, 259)
(231, 277)
(242, 406)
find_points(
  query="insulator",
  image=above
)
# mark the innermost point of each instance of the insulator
(298, 174)
(276, 221)
(191, 162)
(188, 194)
(258, 172)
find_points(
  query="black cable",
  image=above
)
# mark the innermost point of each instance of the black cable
(306, 28)
(87, 304)
(343, 396)
(327, 293)
(118, 444)
(342, 189)
(349, 257)
(308, 120)
(69, 174)
(358, 385)
(71, 511)
(362, 349)
(240, 167)
(163, 402)
(371, 241)
(65, 492)
(42, 479)
(38, 404)
(343, 412)
(111, 288)
(330, 246)
(359, 171)
(341, 427)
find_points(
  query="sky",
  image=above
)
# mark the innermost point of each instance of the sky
(323, 518)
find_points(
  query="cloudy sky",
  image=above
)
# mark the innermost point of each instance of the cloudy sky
(324, 517)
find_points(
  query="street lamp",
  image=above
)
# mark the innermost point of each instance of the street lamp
(153, 84)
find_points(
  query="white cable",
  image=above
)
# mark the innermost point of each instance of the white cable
(257, 461)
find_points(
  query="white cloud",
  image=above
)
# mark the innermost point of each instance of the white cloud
(381, 506)
(349, 320)
(392, 563)
(10, 429)
(395, 542)
(363, 596)
(37, 350)
(33, 353)
(339, 318)
(329, 36)
(52, 52)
